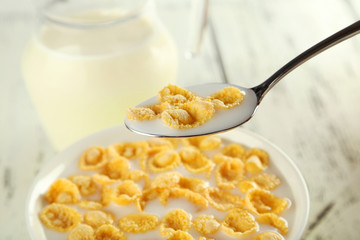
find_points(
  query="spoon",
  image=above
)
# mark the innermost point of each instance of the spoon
(225, 120)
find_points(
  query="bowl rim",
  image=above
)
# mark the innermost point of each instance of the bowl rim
(30, 200)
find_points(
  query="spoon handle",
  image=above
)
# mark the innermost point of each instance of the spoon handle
(334, 39)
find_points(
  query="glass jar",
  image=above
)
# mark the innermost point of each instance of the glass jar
(88, 61)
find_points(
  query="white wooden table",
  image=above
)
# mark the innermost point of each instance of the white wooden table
(313, 114)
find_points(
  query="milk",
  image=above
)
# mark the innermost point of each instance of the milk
(83, 79)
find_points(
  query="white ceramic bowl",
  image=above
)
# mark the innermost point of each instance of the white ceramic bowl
(65, 164)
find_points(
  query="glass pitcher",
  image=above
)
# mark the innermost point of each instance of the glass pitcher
(88, 61)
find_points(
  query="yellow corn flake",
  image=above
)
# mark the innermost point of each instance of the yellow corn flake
(146, 196)
(191, 196)
(138, 175)
(93, 158)
(205, 238)
(117, 169)
(194, 161)
(85, 184)
(268, 236)
(138, 223)
(223, 200)
(164, 161)
(210, 143)
(260, 201)
(90, 205)
(256, 160)
(246, 185)
(175, 95)
(275, 221)
(227, 97)
(126, 192)
(59, 217)
(204, 143)
(166, 180)
(81, 232)
(206, 224)
(107, 231)
(106, 196)
(193, 184)
(150, 153)
(234, 150)
(97, 218)
(63, 191)
(103, 179)
(189, 115)
(148, 112)
(129, 150)
(180, 235)
(266, 181)
(140, 113)
(229, 173)
(161, 142)
(239, 222)
(174, 220)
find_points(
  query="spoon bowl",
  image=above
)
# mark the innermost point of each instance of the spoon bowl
(227, 119)
(223, 120)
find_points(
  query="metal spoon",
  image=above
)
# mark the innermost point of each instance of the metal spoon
(225, 120)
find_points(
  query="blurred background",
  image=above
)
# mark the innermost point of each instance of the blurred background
(312, 115)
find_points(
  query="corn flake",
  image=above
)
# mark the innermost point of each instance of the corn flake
(266, 181)
(166, 180)
(90, 205)
(260, 201)
(164, 161)
(229, 173)
(256, 160)
(206, 224)
(59, 217)
(234, 150)
(204, 143)
(189, 115)
(138, 223)
(193, 184)
(223, 200)
(180, 235)
(194, 161)
(161, 142)
(246, 185)
(174, 220)
(239, 222)
(63, 191)
(126, 193)
(107, 231)
(268, 236)
(129, 150)
(227, 97)
(191, 196)
(118, 168)
(85, 184)
(103, 179)
(97, 218)
(175, 95)
(93, 158)
(81, 232)
(140, 113)
(147, 113)
(275, 221)
(147, 195)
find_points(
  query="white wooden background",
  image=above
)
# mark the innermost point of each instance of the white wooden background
(313, 114)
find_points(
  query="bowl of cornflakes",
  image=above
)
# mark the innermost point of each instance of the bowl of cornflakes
(116, 184)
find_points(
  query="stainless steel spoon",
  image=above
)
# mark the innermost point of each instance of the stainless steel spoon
(225, 120)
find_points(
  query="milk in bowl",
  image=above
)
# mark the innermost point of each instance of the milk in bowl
(85, 65)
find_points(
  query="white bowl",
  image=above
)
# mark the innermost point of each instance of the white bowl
(65, 164)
